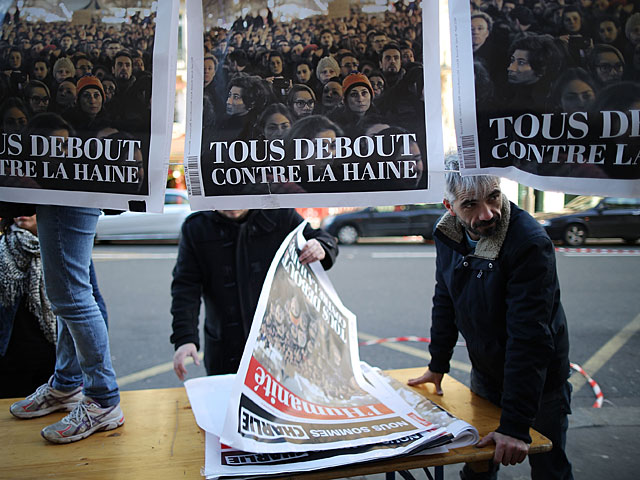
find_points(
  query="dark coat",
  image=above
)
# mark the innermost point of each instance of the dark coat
(226, 262)
(505, 301)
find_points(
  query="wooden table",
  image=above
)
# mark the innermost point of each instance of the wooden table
(160, 440)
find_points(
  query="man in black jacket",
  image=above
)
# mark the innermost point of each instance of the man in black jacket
(223, 258)
(496, 284)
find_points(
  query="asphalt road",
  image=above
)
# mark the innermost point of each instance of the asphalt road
(389, 287)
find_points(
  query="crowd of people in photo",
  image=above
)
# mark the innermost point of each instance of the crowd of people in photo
(559, 57)
(556, 55)
(317, 77)
(86, 80)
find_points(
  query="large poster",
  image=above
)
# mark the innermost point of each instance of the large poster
(86, 98)
(549, 95)
(299, 386)
(309, 105)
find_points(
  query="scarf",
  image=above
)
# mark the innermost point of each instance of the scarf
(21, 275)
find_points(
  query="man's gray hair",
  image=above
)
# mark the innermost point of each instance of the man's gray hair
(456, 183)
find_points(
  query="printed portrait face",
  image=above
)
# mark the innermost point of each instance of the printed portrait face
(15, 60)
(572, 22)
(326, 40)
(391, 61)
(40, 71)
(275, 65)
(303, 73)
(209, 71)
(378, 42)
(359, 99)
(90, 101)
(66, 94)
(235, 103)
(520, 71)
(83, 67)
(609, 67)
(109, 89)
(479, 32)
(326, 73)
(407, 56)
(65, 43)
(138, 64)
(123, 68)
(303, 104)
(14, 120)
(38, 100)
(607, 31)
(378, 85)
(61, 73)
(112, 49)
(577, 96)
(634, 35)
(348, 64)
(331, 94)
(276, 126)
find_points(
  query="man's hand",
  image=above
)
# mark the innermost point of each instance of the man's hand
(179, 358)
(311, 252)
(509, 450)
(428, 377)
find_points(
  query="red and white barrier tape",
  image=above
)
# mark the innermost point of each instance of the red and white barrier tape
(403, 339)
(617, 251)
(595, 387)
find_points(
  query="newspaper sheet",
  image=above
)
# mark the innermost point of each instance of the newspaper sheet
(299, 387)
(275, 121)
(221, 460)
(87, 98)
(547, 101)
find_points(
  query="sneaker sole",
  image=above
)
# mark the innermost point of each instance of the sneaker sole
(101, 427)
(46, 411)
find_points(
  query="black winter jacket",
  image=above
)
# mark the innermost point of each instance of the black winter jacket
(225, 263)
(505, 301)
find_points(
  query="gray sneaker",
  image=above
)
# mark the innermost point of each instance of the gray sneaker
(87, 418)
(46, 400)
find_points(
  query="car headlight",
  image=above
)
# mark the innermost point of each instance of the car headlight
(544, 223)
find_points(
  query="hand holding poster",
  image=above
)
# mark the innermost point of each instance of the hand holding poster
(312, 108)
(299, 387)
(550, 101)
(86, 97)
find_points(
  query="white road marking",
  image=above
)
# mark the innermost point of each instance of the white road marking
(403, 255)
(99, 256)
(152, 371)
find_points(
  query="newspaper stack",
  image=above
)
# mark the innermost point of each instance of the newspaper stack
(301, 399)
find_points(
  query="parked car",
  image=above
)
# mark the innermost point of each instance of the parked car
(400, 220)
(147, 226)
(594, 217)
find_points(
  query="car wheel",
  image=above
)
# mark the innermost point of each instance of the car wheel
(630, 241)
(348, 235)
(575, 235)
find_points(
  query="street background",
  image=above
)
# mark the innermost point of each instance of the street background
(389, 285)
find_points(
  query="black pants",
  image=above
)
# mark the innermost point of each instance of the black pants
(551, 421)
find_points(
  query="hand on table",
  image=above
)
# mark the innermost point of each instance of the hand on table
(428, 377)
(509, 450)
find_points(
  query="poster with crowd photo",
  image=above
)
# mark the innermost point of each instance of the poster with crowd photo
(311, 104)
(87, 92)
(299, 387)
(549, 95)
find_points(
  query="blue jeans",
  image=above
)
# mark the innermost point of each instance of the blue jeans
(82, 353)
(551, 421)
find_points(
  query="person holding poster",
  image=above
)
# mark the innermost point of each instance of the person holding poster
(496, 284)
(223, 257)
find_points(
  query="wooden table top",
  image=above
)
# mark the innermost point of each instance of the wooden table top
(160, 440)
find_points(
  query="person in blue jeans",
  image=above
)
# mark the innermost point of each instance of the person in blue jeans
(84, 381)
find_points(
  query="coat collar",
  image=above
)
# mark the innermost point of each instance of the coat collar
(488, 247)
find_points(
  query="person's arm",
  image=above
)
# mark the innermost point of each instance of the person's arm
(186, 291)
(444, 332)
(531, 301)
